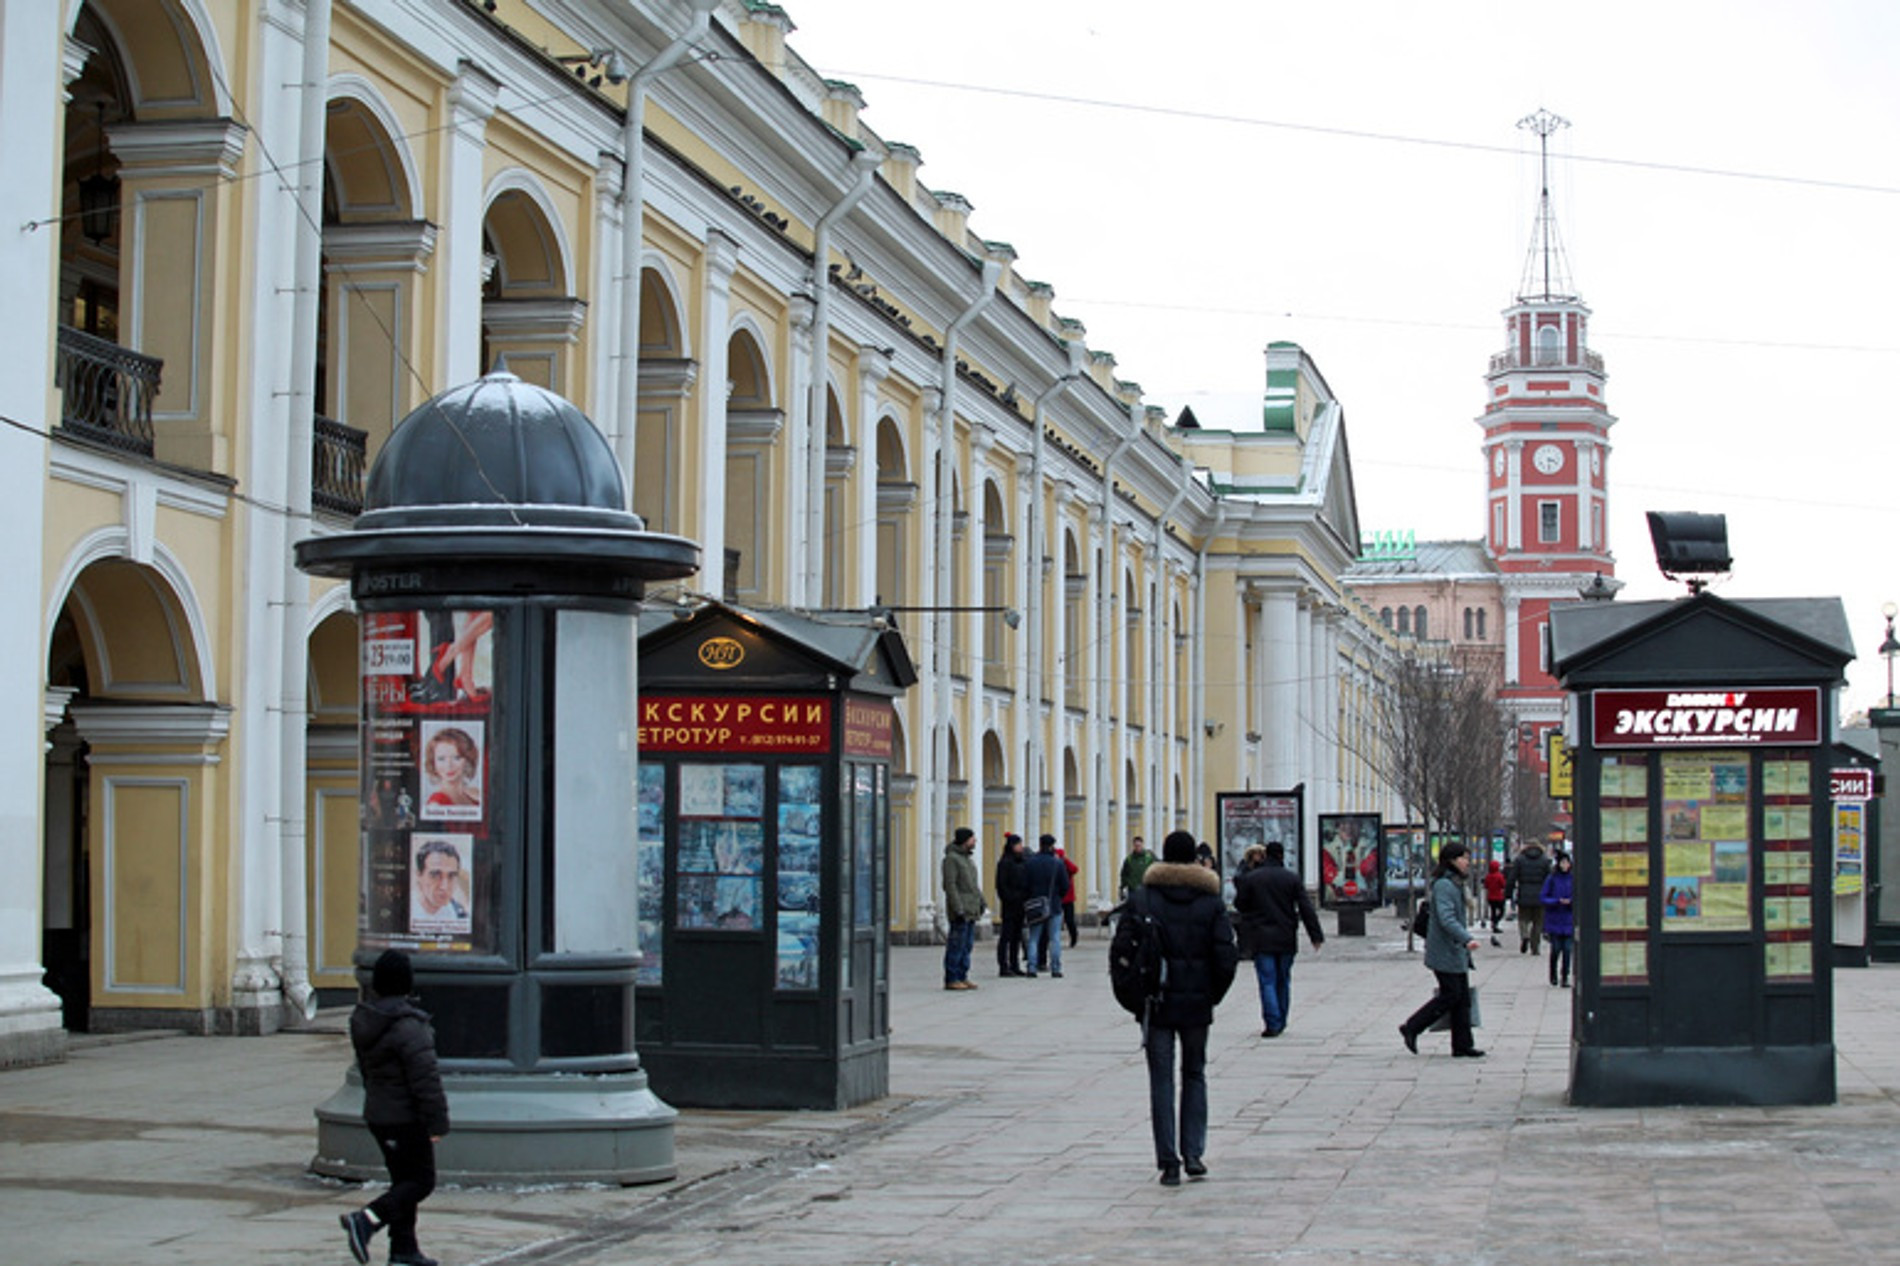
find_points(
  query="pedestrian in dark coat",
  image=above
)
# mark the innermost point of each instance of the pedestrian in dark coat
(1525, 879)
(1448, 946)
(1560, 918)
(1201, 956)
(1272, 904)
(403, 1106)
(1048, 877)
(1012, 887)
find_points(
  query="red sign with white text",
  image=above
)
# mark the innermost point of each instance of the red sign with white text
(757, 725)
(1850, 783)
(1779, 715)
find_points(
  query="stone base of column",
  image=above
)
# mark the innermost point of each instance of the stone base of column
(523, 1128)
(31, 1029)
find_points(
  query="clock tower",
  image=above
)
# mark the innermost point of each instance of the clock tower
(1546, 451)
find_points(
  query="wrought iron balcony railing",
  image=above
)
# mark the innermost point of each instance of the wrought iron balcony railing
(107, 389)
(339, 461)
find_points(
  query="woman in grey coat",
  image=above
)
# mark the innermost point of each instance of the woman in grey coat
(1448, 946)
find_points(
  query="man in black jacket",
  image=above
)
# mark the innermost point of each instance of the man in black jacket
(403, 1106)
(1272, 903)
(1047, 877)
(1524, 880)
(1201, 957)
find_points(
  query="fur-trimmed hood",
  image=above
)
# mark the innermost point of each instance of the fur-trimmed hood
(1185, 874)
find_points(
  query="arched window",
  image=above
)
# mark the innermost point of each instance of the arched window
(1418, 622)
(1467, 624)
(1550, 342)
(1385, 616)
(1405, 621)
(1481, 624)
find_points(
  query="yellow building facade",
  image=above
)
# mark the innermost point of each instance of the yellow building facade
(264, 231)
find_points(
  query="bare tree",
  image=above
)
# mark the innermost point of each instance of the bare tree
(1445, 741)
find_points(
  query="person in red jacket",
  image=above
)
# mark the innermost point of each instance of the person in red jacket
(1068, 894)
(1494, 897)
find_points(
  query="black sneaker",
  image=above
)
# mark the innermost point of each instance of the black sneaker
(1473, 1053)
(1196, 1168)
(358, 1228)
(1410, 1038)
(1170, 1175)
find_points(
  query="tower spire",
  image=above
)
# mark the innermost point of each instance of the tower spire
(1546, 272)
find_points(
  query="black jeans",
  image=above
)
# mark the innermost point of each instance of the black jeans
(410, 1157)
(1454, 996)
(1009, 942)
(1193, 1136)
(1068, 921)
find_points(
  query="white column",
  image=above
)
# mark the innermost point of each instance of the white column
(603, 317)
(874, 365)
(791, 468)
(459, 319)
(975, 634)
(1511, 613)
(1278, 656)
(1050, 734)
(722, 256)
(31, 94)
(933, 779)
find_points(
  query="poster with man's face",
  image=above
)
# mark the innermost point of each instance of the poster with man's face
(440, 886)
(429, 752)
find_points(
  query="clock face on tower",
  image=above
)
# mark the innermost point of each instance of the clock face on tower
(1549, 459)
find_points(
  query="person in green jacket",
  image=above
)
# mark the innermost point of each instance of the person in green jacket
(963, 905)
(1134, 866)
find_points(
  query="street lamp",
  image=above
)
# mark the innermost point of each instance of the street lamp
(1889, 648)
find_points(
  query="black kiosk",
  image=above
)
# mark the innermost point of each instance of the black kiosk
(766, 745)
(1701, 730)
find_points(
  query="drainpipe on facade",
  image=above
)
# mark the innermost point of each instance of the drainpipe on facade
(300, 998)
(1038, 589)
(944, 597)
(632, 231)
(864, 172)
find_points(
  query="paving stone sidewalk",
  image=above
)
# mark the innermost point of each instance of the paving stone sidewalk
(1017, 1132)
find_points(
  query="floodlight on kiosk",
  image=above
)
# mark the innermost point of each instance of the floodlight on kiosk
(1689, 545)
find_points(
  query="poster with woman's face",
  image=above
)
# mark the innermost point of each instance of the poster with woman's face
(452, 770)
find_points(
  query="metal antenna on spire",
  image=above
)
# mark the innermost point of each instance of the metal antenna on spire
(1545, 249)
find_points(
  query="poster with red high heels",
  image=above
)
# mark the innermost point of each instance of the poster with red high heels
(427, 694)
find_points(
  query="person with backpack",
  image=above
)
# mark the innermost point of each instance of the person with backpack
(1042, 909)
(1272, 904)
(1560, 918)
(1012, 888)
(1179, 914)
(403, 1105)
(1448, 946)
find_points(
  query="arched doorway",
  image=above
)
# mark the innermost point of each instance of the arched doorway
(132, 867)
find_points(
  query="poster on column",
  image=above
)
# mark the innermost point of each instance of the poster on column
(428, 767)
(1247, 818)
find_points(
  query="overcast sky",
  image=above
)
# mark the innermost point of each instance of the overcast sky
(1348, 176)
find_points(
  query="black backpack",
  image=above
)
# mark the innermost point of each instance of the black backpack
(1138, 957)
